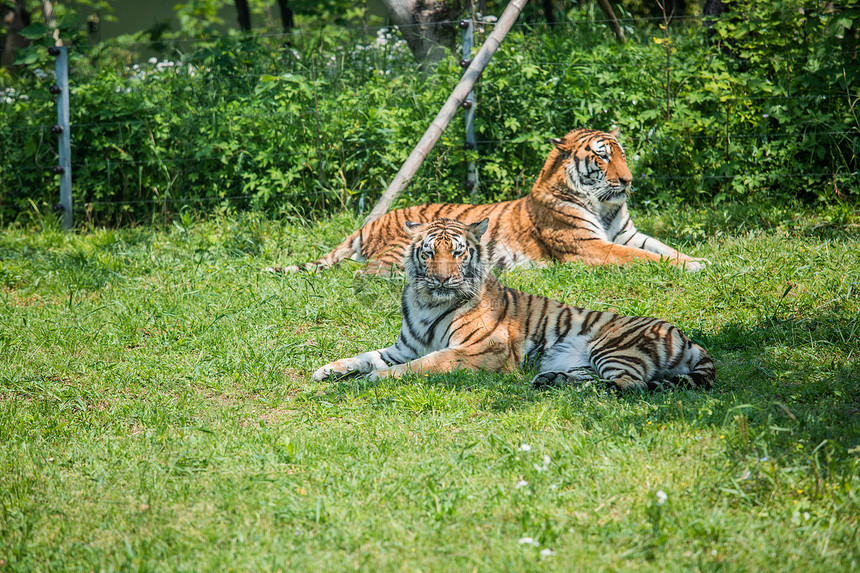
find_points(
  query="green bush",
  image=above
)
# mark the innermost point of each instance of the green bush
(762, 104)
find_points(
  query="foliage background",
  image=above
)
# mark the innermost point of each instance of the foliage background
(761, 105)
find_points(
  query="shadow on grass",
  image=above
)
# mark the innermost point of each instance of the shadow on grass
(785, 389)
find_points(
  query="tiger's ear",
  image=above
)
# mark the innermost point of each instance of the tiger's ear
(556, 141)
(614, 133)
(479, 228)
(412, 228)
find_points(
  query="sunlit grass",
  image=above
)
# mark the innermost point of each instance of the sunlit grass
(156, 411)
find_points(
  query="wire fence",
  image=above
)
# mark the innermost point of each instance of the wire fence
(317, 136)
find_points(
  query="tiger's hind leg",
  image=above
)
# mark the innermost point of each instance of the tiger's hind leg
(624, 371)
(567, 362)
(388, 263)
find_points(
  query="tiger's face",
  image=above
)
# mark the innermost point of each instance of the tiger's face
(595, 165)
(445, 262)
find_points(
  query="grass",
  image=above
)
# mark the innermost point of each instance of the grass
(156, 410)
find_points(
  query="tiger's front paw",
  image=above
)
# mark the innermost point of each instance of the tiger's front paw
(323, 373)
(695, 265)
(282, 270)
(333, 370)
(546, 379)
(580, 375)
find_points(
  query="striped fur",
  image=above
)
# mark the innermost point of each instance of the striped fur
(456, 315)
(576, 211)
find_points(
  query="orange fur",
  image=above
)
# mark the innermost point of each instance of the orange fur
(565, 217)
(456, 315)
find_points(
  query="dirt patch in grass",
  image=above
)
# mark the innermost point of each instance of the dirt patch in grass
(22, 301)
(272, 416)
(250, 407)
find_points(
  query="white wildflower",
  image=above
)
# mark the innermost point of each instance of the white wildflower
(545, 466)
(528, 541)
(383, 37)
(525, 448)
(547, 552)
(521, 484)
(661, 497)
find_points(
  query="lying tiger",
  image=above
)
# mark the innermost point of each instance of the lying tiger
(456, 315)
(576, 211)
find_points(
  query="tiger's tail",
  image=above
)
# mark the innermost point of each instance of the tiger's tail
(347, 249)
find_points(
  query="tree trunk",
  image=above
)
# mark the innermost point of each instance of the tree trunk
(50, 21)
(549, 13)
(713, 9)
(613, 22)
(286, 17)
(427, 26)
(850, 41)
(16, 20)
(244, 14)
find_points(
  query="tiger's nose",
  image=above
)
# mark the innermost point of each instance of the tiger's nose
(626, 181)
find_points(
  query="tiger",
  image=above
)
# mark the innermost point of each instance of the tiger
(575, 211)
(457, 315)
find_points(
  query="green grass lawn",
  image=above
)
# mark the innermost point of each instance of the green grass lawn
(157, 412)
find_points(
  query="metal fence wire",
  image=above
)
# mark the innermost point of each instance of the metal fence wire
(252, 120)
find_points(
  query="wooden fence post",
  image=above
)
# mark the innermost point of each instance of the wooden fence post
(443, 118)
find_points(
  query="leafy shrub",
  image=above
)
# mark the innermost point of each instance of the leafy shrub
(762, 105)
